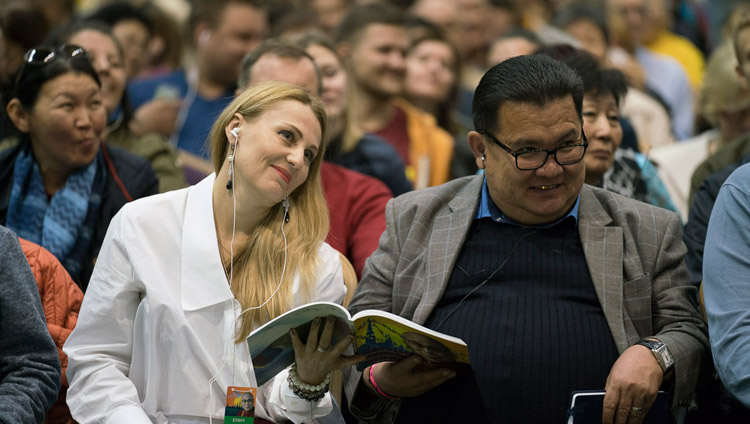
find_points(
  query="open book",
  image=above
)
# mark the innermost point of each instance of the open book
(380, 336)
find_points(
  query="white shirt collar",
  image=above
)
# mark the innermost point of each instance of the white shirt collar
(203, 280)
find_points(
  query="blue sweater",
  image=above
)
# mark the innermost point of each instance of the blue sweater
(29, 365)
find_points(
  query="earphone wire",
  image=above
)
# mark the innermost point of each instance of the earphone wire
(488, 278)
(231, 276)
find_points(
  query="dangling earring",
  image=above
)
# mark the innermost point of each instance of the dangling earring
(231, 167)
(285, 204)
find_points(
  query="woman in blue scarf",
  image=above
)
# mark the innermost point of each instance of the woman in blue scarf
(59, 185)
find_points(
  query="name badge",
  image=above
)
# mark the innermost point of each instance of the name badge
(240, 405)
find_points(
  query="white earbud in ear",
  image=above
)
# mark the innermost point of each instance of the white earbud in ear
(235, 132)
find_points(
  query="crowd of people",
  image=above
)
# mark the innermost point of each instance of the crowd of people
(562, 184)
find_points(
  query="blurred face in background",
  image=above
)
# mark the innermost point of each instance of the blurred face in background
(590, 36)
(601, 124)
(134, 38)
(334, 80)
(108, 63)
(239, 30)
(430, 71)
(330, 12)
(376, 60)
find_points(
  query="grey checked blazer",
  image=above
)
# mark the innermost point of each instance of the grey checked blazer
(634, 252)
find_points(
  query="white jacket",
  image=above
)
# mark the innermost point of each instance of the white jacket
(157, 322)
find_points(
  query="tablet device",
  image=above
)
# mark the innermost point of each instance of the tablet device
(586, 408)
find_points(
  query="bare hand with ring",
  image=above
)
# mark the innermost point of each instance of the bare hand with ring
(317, 357)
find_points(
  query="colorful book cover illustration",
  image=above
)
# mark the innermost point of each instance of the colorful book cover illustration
(380, 336)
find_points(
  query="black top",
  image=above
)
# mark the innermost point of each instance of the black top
(696, 228)
(535, 330)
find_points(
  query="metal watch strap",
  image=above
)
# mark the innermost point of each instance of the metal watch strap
(660, 352)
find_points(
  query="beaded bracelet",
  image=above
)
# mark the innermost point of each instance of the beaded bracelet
(307, 391)
(375, 385)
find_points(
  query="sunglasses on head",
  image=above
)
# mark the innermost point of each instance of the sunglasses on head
(43, 55)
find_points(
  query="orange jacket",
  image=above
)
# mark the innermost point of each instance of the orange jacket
(430, 147)
(61, 301)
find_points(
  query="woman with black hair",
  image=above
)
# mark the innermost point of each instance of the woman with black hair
(59, 185)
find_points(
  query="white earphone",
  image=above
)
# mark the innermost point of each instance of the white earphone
(236, 133)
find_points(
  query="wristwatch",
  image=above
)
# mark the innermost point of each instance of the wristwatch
(660, 352)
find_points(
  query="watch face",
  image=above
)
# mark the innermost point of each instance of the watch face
(664, 354)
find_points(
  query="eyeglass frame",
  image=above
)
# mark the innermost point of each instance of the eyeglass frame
(549, 152)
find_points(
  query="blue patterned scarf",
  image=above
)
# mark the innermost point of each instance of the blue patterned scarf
(62, 224)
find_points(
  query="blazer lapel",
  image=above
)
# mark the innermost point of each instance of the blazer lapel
(603, 247)
(449, 229)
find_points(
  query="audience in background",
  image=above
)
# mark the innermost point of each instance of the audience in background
(725, 104)
(182, 105)
(648, 116)
(349, 145)
(664, 75)
(132, 28)
(107, 58)
(373, 41)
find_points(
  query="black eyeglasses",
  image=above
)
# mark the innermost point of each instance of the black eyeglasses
(43, 55)
(531, 159)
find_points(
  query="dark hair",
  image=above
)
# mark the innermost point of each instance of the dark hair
(31, 78)
(63, 34)
(23, 23)
(210, 11)
(279, 47)
(360, 17)
(595, 80)
(119, 11)
(577, 12)
(535, 79)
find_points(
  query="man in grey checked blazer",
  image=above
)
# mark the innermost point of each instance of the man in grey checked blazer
(534, 179)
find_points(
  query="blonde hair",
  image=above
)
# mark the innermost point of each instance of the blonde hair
(258, 264)
(351, 132)
(721, 89)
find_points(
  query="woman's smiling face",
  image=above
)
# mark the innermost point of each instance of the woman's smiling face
(274, 151)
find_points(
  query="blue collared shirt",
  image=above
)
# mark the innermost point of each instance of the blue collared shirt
(488, 209)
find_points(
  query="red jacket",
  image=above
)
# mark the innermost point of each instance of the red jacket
(61, 300)
(356, 203)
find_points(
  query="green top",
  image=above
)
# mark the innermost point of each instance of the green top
(156, 149)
